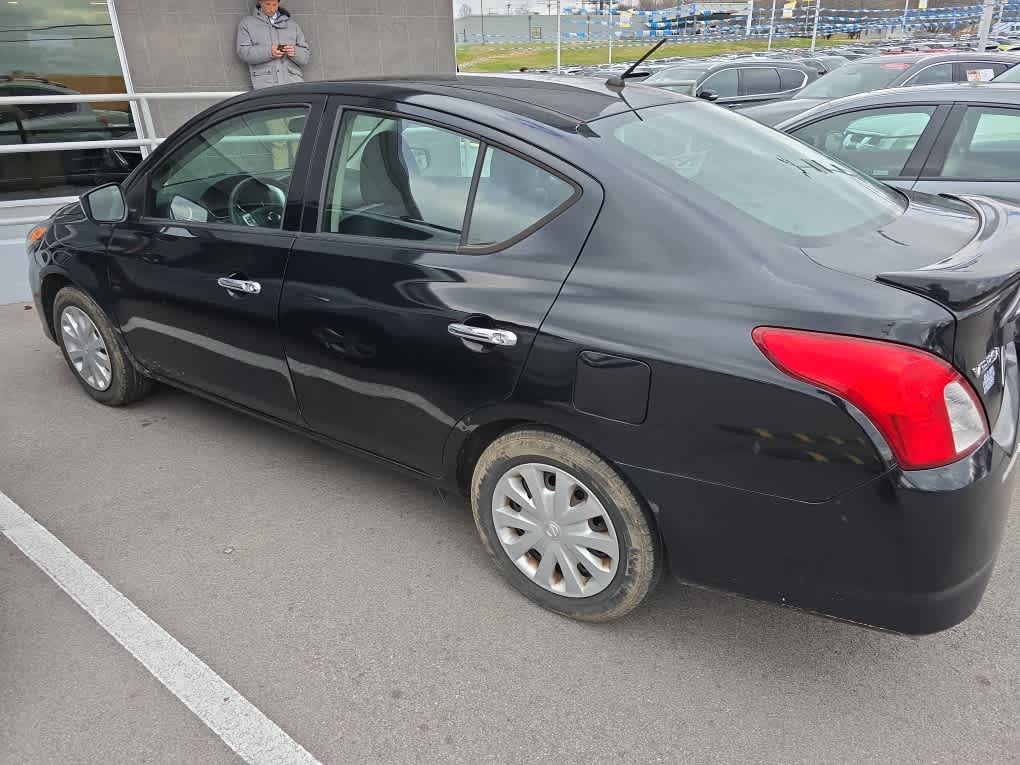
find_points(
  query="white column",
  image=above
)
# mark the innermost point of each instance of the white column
(750, 16)
(814, 32)
(129, 85)
(559, 38)
(986, 23)
(772, 23)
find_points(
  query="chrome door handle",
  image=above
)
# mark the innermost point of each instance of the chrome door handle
(501, 337)
(239, 285)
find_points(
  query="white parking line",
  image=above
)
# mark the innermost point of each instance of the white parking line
(229, 715)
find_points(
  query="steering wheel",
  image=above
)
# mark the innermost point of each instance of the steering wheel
(258, 213)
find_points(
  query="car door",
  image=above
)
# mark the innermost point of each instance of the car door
(978, 152)
(416, 289)
(197, 270)
(888, 143)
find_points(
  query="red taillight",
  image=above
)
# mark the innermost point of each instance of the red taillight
(926, 411)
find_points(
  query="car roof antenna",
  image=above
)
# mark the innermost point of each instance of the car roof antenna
(618, 81)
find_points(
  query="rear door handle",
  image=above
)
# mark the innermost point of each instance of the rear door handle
(239, 285)
(499, 337)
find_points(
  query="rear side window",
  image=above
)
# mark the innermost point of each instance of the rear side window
(877, 141)
(856, 77)
(987, 146)
(759, 80)
(399, 179)
(748, 170)
(513, 195)
(723, 83)
(395, 178)
(791, 79)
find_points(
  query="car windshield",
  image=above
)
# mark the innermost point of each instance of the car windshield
(855, 78)
(676, 73)
(768, 175)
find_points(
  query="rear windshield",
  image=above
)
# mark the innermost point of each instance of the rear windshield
(855, 78)
(768, 175)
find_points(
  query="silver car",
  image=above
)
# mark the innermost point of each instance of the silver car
(952, 139)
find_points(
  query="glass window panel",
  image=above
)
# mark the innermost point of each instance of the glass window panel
(52, 47)
(876, 141)
(400, 179)
(986, 147)
(514, 196)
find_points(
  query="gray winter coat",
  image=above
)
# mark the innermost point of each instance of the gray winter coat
(256, 36)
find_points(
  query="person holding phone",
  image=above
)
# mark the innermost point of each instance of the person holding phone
(273, 46)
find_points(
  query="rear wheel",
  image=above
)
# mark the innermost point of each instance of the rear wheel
(94, 352)
(563, 526)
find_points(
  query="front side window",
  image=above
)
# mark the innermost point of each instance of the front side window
(722, 157)
(723, 83)
(933, 75)
(759, 80)
(986, 147)
(237, 171)
(876, 141)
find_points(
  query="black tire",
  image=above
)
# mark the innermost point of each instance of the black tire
(641, 559)
(127, 384)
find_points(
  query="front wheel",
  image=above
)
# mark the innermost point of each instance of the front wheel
(94, 351)
(563, 526)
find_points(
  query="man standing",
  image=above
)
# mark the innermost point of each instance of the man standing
(273, 46)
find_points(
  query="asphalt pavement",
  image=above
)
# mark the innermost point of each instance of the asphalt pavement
(357, 610)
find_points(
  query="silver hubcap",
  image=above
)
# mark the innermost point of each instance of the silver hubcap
(555, 530)
(85, 348)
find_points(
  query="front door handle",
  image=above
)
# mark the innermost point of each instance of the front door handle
(500, 337)
(239, 285)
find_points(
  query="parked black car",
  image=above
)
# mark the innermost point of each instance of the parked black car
(637, 330)
(885, 71)
(737, 82)
(940, 139)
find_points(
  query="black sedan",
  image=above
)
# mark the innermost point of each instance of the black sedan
(885, 71)
(940, 139)
(642, 333)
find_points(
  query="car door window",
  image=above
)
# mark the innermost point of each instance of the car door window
(237, 171)
(513, 195)
(933, 75)
(983, 71)
(760, 80)
(986, 147)
(399, 179)
(723, 83)
(791, 79)
(876, 141)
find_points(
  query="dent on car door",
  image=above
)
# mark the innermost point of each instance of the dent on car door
(386, 290)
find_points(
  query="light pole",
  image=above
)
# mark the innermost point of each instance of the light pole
(772, 23)
(482, 3)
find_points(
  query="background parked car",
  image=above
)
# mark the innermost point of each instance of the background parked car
(52, 123)
(737, 82)
(886, 71)
(956, 139)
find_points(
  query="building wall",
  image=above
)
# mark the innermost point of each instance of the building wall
(181, 45)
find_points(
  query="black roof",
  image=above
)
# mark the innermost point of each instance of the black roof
(546, 98)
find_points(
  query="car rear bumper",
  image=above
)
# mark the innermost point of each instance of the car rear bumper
(910, 552)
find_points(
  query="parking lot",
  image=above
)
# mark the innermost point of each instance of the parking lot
(357, 610)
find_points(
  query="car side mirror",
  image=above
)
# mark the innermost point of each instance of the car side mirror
(105, 204)
(709, 95)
